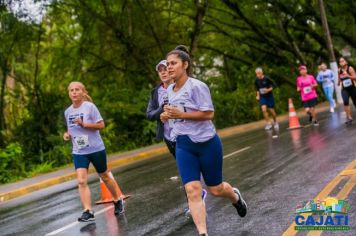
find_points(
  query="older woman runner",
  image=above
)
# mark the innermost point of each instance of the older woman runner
(198, 148)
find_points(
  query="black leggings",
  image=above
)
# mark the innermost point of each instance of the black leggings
(347, 93)
(171, 147)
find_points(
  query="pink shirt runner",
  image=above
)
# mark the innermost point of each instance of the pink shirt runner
(307, 91)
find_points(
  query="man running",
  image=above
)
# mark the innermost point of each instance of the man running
(264, 94)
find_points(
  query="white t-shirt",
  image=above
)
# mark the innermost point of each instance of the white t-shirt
(193, 96)
(163, 99)
(85, 141)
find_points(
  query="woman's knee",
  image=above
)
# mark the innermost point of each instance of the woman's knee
(216, 190)
(105, 176)
(82, 182)
(193, 190)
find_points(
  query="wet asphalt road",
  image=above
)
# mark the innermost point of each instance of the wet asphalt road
(273, 174)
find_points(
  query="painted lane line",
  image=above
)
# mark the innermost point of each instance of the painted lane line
(108, 208)
(238, 151)
(77, 222)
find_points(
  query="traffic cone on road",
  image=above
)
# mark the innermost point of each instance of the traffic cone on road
(293, 118)
(106, 196)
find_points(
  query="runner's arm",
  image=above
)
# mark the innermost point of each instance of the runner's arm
(153, 112)
(174, 113)
(97, 126)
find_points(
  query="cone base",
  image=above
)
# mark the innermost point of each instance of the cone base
(110, 200)
(295, 127)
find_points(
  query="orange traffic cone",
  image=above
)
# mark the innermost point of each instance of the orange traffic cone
(106, 196)
(293, 118)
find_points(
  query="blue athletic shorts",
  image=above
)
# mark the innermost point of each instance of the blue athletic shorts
(98, 159)
(204, 158)
(267, 101)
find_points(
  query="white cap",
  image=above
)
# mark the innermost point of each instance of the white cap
(163, 63)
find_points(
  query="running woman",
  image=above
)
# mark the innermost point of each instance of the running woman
(326, 78)
(158, 99)
(306, 85)
(347, 78)
(198, 148)
(264, 95)
(83, 125)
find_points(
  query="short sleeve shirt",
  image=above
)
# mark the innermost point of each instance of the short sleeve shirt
(85, 141)
(263, 84)
(193, 96)
(305, 84)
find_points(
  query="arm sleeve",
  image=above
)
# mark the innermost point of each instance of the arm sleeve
(153, 112)
(95, 114)
(319, 78)
(202, 97)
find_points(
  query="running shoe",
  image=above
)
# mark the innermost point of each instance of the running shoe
(240, 205)
(268, 126)
(119, 207)
(348, 121)
(87, 216)
(276, 126)
(203, 195)
(315, 123)
(187, 212)
(332, 110)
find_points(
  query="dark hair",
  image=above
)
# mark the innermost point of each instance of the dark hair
(182, 52)
(343, 59)
(182, 48)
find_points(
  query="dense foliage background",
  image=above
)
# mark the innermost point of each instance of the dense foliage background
(112, 46)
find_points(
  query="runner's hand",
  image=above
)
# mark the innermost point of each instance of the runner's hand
(164, 117)
(174, 113)
(66, 136)
(79, 122)
(257, 97)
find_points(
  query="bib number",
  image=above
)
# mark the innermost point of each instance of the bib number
(307, 90)
(347, 82)
(173, 121)
(81, 141)
(263, 90)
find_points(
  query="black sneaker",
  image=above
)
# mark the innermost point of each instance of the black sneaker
(87, 216)
(315, 123)
(240, 205)
(119, 207)
(349, 121)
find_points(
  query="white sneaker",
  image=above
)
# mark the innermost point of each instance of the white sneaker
(332, 110)
(268, 126)
(276, 126)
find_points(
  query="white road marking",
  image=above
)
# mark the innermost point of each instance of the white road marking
(110, 207)
(238, 151)
(77, 222)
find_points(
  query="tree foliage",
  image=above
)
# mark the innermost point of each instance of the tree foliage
(113, 46)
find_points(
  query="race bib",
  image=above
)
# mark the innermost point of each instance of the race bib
(81, 141)
(263, 90)
(347, 82)
(173, 121)
(307, 90)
